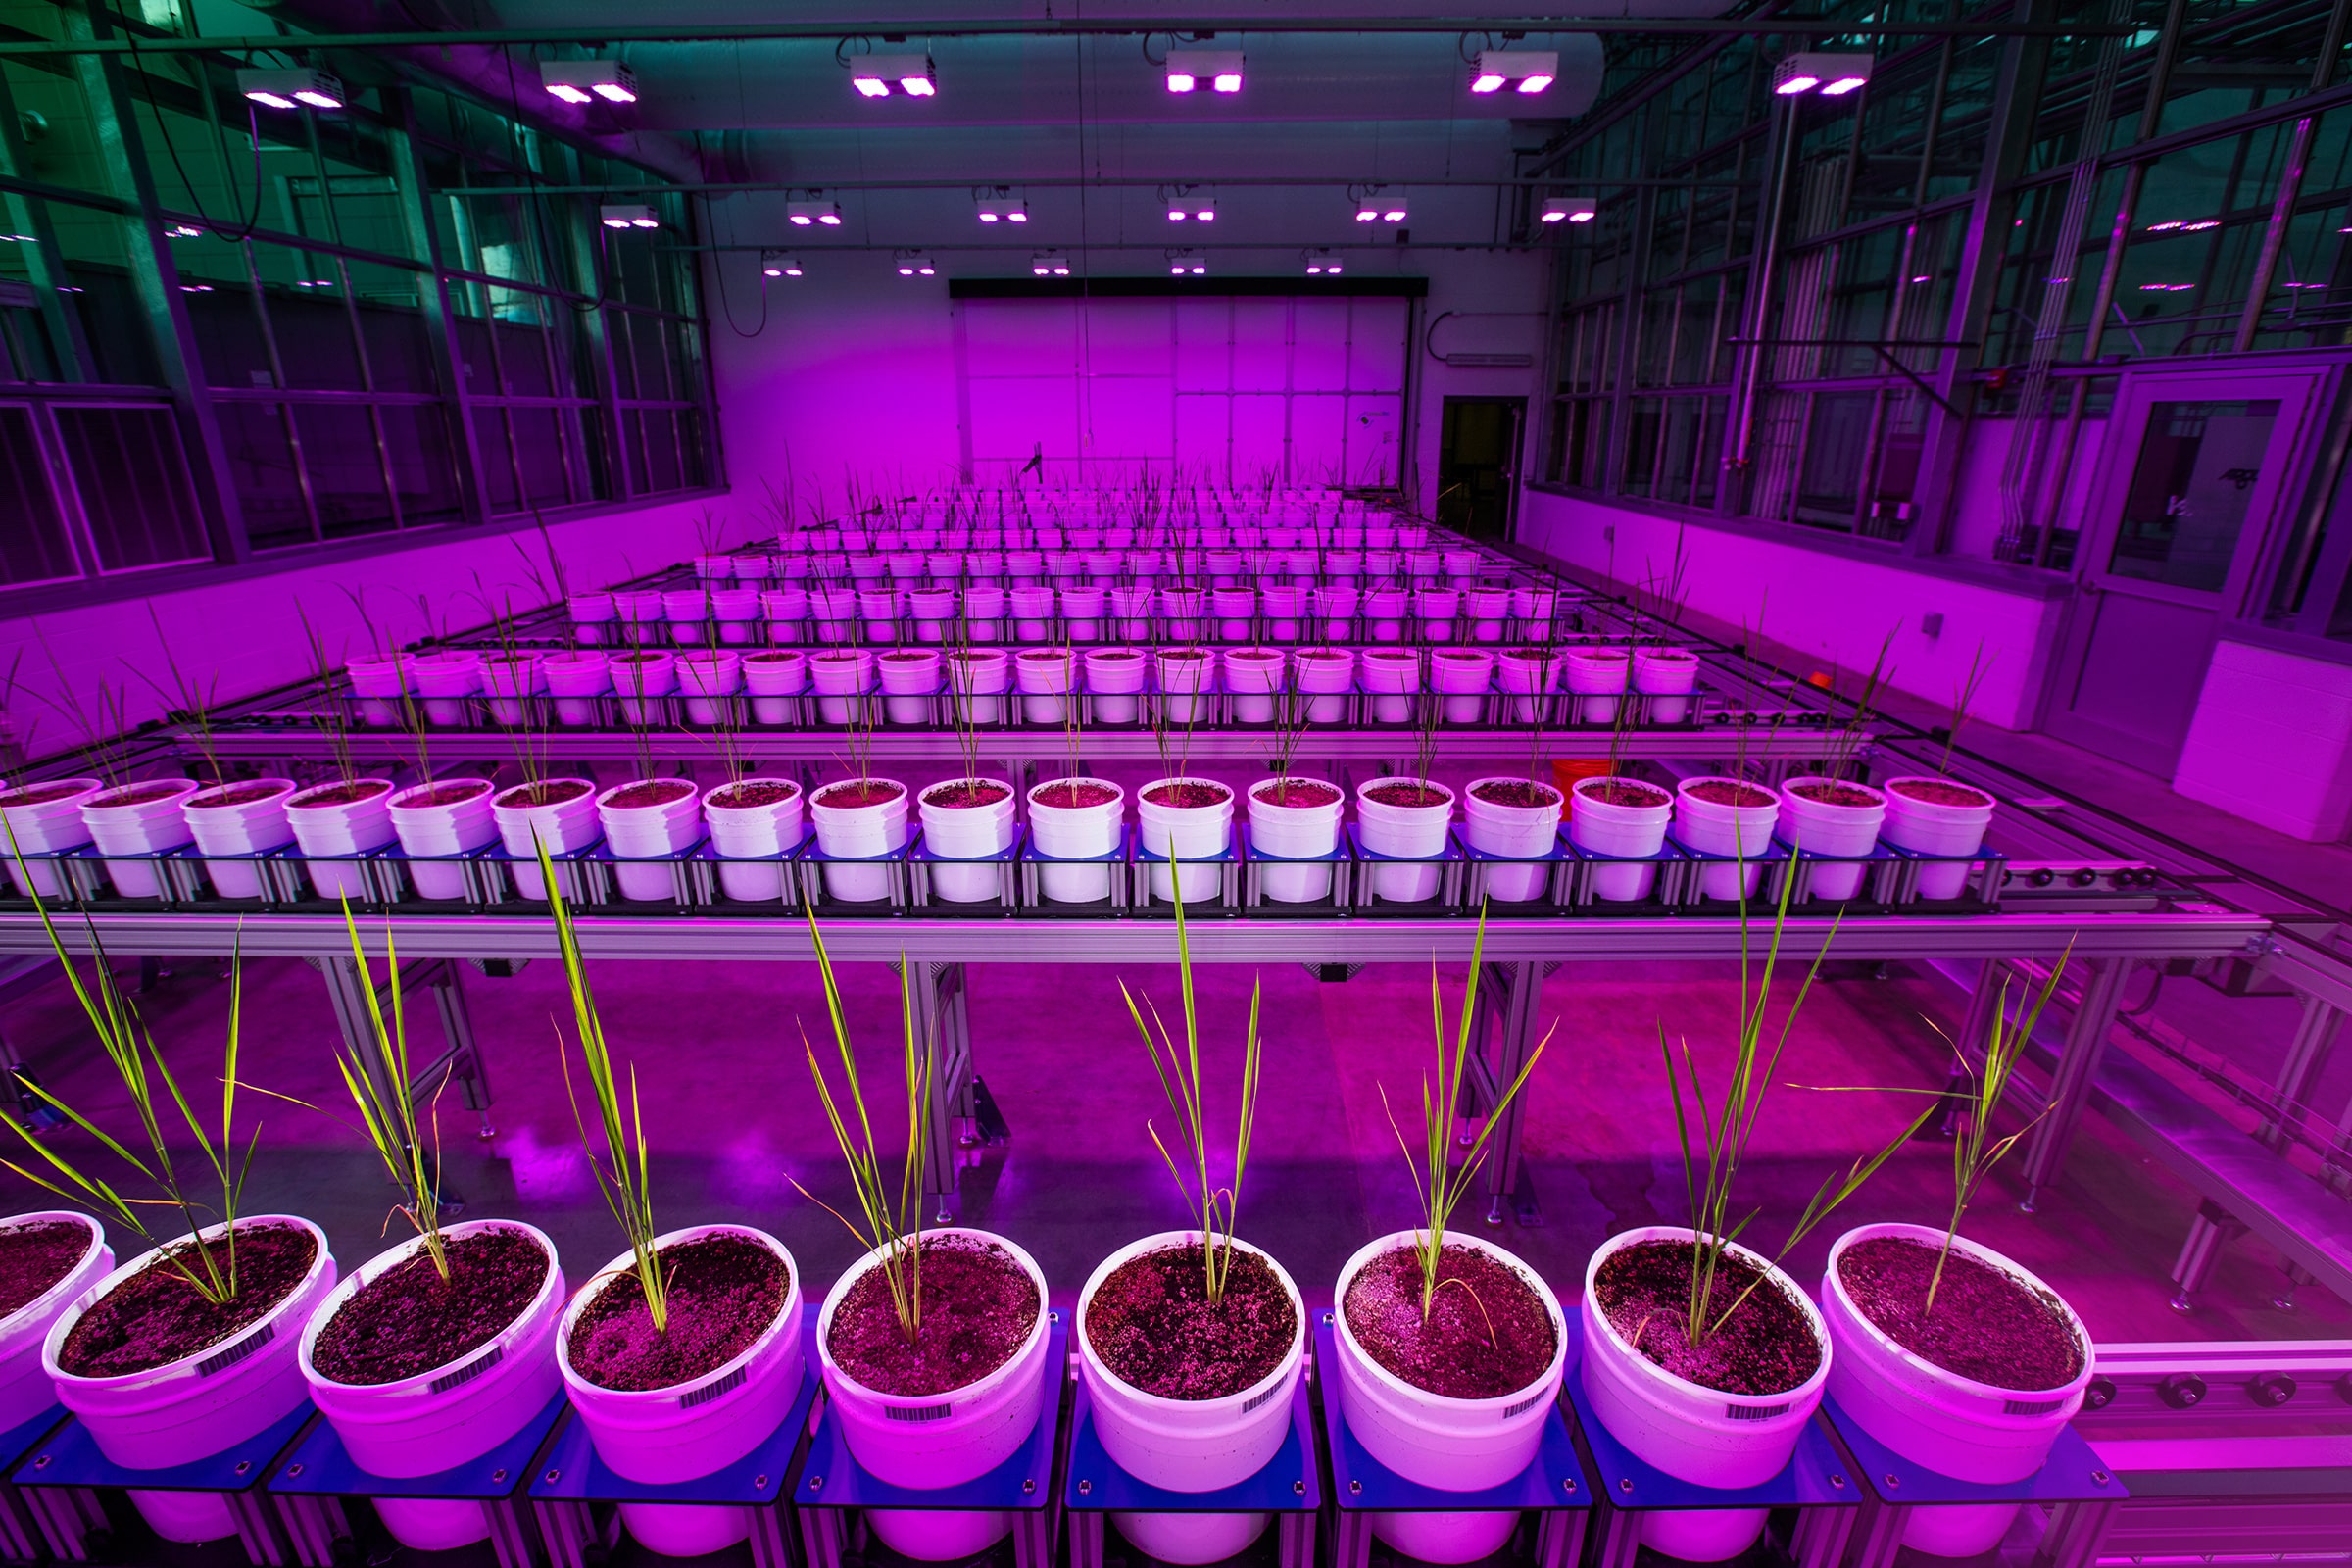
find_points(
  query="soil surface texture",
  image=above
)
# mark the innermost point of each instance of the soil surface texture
(552, 793)
(139, 794)
(1941, 792)
(40, 794)
(1729, 792)
(1070, 797)
(234, 795)
(1766, 1348)
(1487, 1333)
(965, 794)
(1987, 1324)
(743, 797)
(156, 1317)
(859, 792)
(647, 792)
(366, 789)
(1624, 792)
(444, 794)
(35, 1256)
(1300, 793)
(1836, 794)
(410, 1320)
(776, 657)
(1515, 792)
(1408, 794)
(1114, 656)
(1188, 796)
(724, 1290)
(1153, 1324)
(977, 1307)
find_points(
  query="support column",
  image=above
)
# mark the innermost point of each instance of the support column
(2307, 1057)
(1507, 998)
(2078, 1066)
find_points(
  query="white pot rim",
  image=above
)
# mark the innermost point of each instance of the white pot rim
(1878, 796)
(502, 800)
(1983, 802)
(48, 1297)
(1364, 791)
(87, 788)
(1284, 1371)
(1117, 797)
(816, 796)
(302, 802)
(1011, 794)
(320, 1258)
(866, 1264)
(1664, 801)
(1888, 1347)
(1642, 1367)
(712, 804)
(671, 1391)
(604, 800)
(368, 1272)
(401, 802)
(1362, 1359)
(1339, 796)
(1470, 793)
(283, 788)
(181, 789)
(1143, 794)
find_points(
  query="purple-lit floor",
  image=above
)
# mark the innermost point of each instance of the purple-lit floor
(732, 1120)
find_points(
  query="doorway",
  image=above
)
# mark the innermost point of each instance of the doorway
(1478, 464)
(2194, 474)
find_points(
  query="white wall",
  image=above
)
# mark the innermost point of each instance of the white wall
(1497, 300)
(2271, 741)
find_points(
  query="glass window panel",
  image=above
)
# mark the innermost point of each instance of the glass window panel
(131, 476)
(347, 478)
(230, 344)
(33, 548)
(260, 466)
(497, 457)
(2189, 491)
(1837, 434)
(423, 469)
(539, 452)
(522, 354)
(394, 328)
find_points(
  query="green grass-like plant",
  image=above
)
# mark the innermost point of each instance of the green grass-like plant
(1976, 1151)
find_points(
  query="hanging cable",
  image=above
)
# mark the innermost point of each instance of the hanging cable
(245, 231)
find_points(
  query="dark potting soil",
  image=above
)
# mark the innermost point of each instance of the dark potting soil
(859, 792)
(1766, 1348)
(907, 658)
(1186, 796)
(1728, 792)
(449, 794)
(765, 792)
(1297, 793)
(552, 793)
(631, 659)
(1408, 794)
(1624, 792)
(1941, 792)
(1987, 1324)
(647, 792)
(965, 794)
(156, 1317)
(1066, 795)
(776, 657)
(35, 1256)
(338, 795)
(139, 794)
(977, 1308)
(1114, 656)
(1516, 792)
(1487, 1333)
(1151, 1323)
(1836, 794)
(410, 1320)
(237, 795)
(40, 794)
(724, 1290)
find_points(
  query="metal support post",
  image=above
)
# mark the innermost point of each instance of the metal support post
(946, 1035)
(2212, 1229)
(461, 1059)
(2307, 1057)
(1507, 995)
(2078, 1066)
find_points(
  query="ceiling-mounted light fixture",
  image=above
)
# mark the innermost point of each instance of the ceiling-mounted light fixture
(1190, 204)
(1834, 75)
(1188, 264)
(912, 263)
(879, 76)
(999, 204)
(1189, 69)
(1322, 263)
(812, 211)
(1528, 71)
(584, 81)
(629, 214)
(1569, 210)
(1378, 206)
(291, 89)
(1050, 263)
(777, 263)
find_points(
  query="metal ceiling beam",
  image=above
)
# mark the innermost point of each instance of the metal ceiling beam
(1076, 182)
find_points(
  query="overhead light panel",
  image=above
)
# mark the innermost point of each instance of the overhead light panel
(999, 204)
(1832, 76)
(1050, 263)
(1569, 209)
(1322, 263)
(1528, 71)
(291, 89)
(1191, 204)
(812, 212)
(584, 81)
(879, 76)
(913, 263)
(1188, 264)
(777, 263)
(629, 214)
(1190, 70)
(1377, 206)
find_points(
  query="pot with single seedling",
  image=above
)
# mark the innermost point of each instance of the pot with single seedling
(1392, 680)
(1186, 821)
(378, 683)
(1597, 677)
(1727, 817)
(1665, 677)
(710, 678)
(557, 813)
(860, 819)
(754, 822)
(910, 678)
(650, 822)
(967, 819)
(592, 618)
(1938, 816)
(41, 820)
(47, 1259)
(1045, 676)
(1461, 677)
(1114, 683)
(578, 679)
(1623, 819)
(439, 823)
(1253, 677)
(335, 822)
(1076, 820)
(1518, 820)
(1832, 816)
(137, 823)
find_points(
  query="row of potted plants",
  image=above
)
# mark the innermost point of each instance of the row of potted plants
(1017, 564)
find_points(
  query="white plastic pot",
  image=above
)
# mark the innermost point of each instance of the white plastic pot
(1045, 676)
(640, 681)
(1461, 676)
(459, 1410)
(25, 1387)
(1294, 831)
(342, 828)
(147, 820)
(577, 680)
(979, 677)
(938, 1440)
(1384, 611)
(457, 827)
(1184, 676)
(983, 611)
(774, 679)
(708, 677)
(1824, 828)
(180, 1412)
(444, 679)
(1512, 830)
(654, 833)
(735, 613)
(967, 833)
(1436, 610)
(1735, 830)
(379, 685)
(561, 825)
(37, 826)
(1190, 1445)
(1076, 833)
(1606, 828)
(1185, 833)
(933, 610)
(1081, 612)
(830, 611)
(1180, 610)
(1253, 678)
(1533, 609)
(1703, 1436)
(1930, 829)
(1032, 614)
(1335, 609)
(878, 608)
(591, 618)
(787, 613)
(1455, 1444)
(656, 1437)
(746, 838)
(841, 676)
(1409, 832)
(232, 831)
(1391, 676)
(510, 682)
(861, 832)
(1130, 610)
(909, 676)
(1598, 676)
(1325, 676)
(1113, 678)
(1667, 677)
(749, 570)
(1488, 608)
(1285, 604)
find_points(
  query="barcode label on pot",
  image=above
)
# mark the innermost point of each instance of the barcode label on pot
(2030, 1406)
(468, 1372)
(1248, 1405)
(1755, 1412)
(223, 1361)
(918, 1412)
(712, 1391)
(1521, 1407)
